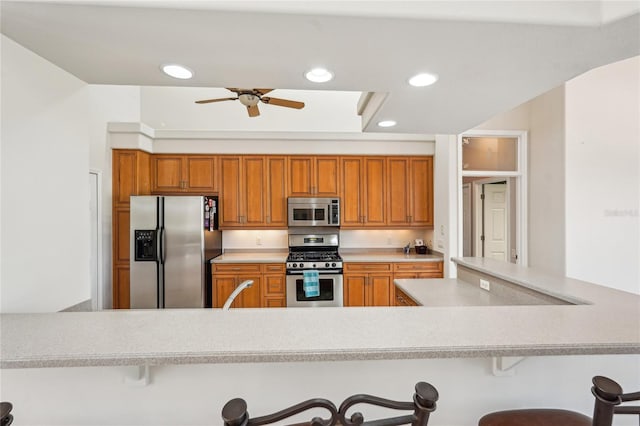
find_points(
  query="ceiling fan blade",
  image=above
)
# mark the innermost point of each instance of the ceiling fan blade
(283, 102)
(263, 91)
(208, 101)
(253, 111)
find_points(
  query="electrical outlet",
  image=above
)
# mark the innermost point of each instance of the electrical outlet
(389, 241)
(484, 284)
(258, 240)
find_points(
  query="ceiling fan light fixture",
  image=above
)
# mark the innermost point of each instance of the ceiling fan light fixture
(177, 71)
(423, 80)
(319, 75)
(386, 123)
(248, 99)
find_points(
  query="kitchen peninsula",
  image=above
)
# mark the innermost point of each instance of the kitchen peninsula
(595, 320)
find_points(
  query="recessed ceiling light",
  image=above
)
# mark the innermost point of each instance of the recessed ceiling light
(422, 80)
(177, 71)
(387, 123)
(319, 75)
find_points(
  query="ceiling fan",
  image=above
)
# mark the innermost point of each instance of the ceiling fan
(251, 97)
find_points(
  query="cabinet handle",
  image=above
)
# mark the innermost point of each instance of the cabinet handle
(268, 219)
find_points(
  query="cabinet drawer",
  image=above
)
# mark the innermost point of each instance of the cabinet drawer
(402, 299)
(417, 267)
(236, 267)
(367, 267)
(274, 268)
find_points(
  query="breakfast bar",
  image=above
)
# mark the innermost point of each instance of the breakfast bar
(592, 320)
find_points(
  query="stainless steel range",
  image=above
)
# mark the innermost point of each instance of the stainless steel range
(319, 252)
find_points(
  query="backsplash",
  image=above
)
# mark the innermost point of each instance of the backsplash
(277, 239)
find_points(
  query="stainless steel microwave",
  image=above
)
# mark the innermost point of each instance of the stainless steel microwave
(313, 211)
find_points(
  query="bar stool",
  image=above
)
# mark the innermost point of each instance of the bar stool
(234, 412)
(5, 414)
(608, 395)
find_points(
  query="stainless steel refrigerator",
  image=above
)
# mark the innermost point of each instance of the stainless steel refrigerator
(172, 239)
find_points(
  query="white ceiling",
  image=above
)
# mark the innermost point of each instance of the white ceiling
(490, 56)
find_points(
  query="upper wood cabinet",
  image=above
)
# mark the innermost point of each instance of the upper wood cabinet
(253, 191)
(183, 173)
(409, 191)
(130, 175)
(363, 187)
(316, 176)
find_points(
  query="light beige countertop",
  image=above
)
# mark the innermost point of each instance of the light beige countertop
(387, 256)
(252, 257)
(607, 325)
(448, 292)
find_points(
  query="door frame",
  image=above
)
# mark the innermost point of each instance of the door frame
(97, 298)
(521, 186)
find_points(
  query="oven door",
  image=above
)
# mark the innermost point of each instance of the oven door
(330, 291)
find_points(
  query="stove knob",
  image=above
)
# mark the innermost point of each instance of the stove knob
(314, 265)
(326, 265)
(333, 264)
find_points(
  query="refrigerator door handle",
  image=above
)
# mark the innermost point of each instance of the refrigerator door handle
(162, 247)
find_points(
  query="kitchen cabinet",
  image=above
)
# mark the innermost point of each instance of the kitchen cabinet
(410, 191)
(253, 192)
(315, 176)
(183, 173)
(130, 176)
(363, 186)
(268, 290)
(227, 276)
(368, 284)
(403, 299)
(417, 270)
(274, 286)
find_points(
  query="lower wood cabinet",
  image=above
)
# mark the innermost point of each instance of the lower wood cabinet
(268, 289)
(403, 299)
(368, 284)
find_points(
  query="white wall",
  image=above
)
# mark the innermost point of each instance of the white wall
(194, 394)
(106, 104)
(543, 118)
(603, 175)
(45, 193)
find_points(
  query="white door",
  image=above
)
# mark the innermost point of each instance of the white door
(495, 221)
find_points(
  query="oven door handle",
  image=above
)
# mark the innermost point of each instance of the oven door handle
(321, 272)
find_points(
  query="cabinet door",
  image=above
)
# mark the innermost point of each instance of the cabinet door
(300, 176)
(380, 290)
(276, 192)
(130, 175)
(351, 200)
(200, 174)
(274, 294)
(166, 174)
(354, 290)
(223, 286)
(373, 207)
(398, 195)
(421, 190)
(252, 190)
(231, 205)
(121, 243)
(121, 299)
(326, 177)
(251, 297)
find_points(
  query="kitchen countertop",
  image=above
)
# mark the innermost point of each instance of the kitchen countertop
(347, 256)
(434, 292)
(608, 324)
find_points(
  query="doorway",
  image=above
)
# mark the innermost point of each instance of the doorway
(492, 203)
